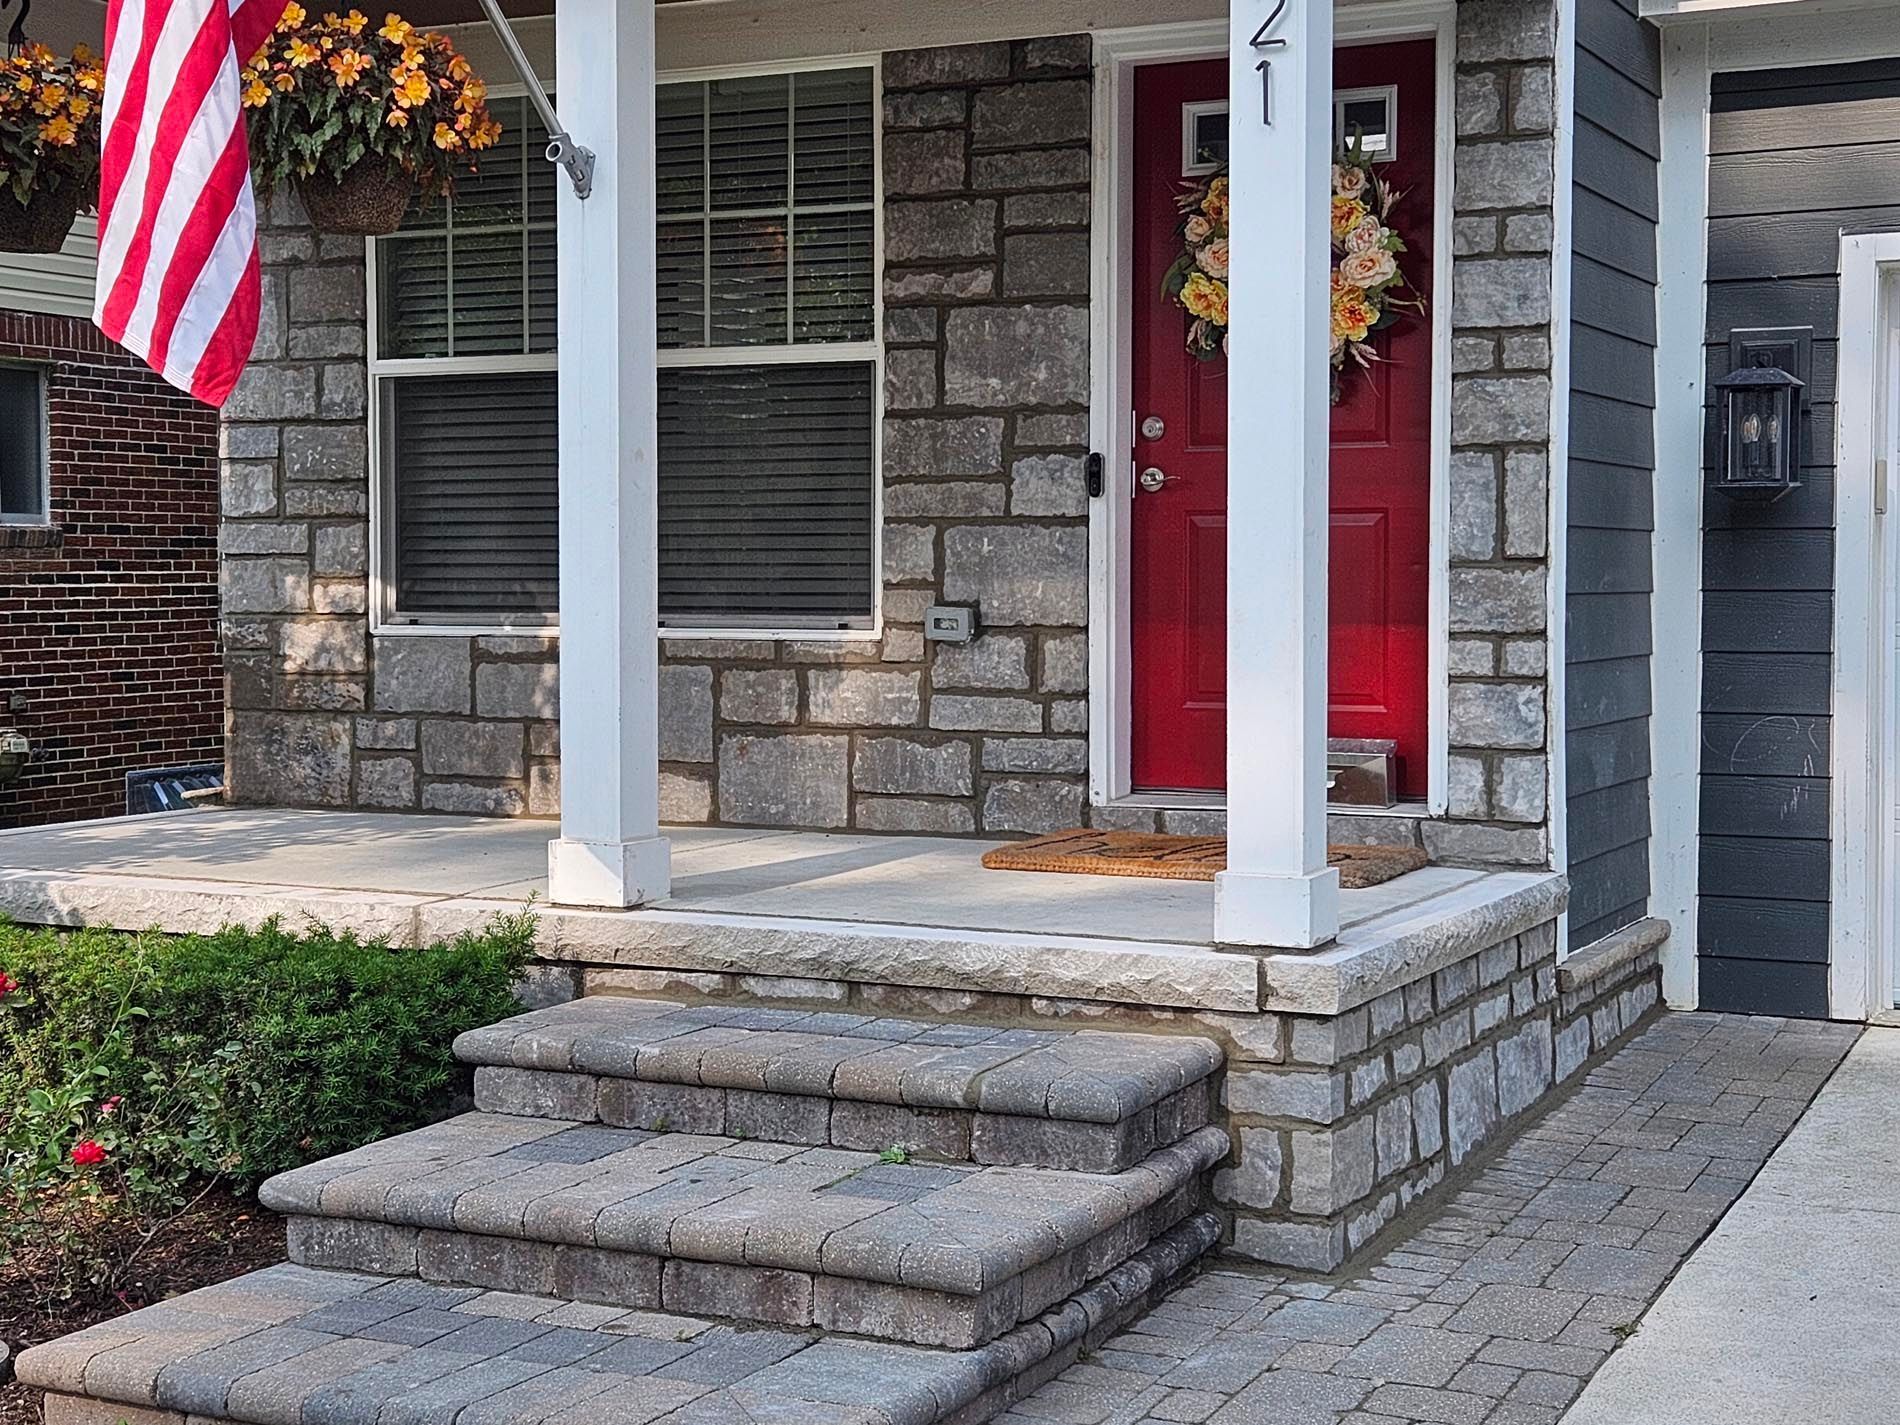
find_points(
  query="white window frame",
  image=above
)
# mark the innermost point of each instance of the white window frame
(45, 516)
(383, 614)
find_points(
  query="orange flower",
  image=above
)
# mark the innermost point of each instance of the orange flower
(355, 21)
(293, 16)
(397, 119)
(301, 54)
(59, 130)
(396, 29)
(414, 89)
(1346, 215)
(446, 138)
(348, 67)
(256, 93)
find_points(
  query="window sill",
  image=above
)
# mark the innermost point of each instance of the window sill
(42, 539)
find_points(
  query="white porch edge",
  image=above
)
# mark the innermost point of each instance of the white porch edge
(1557, 457)
(610, 851)
(1676, 600)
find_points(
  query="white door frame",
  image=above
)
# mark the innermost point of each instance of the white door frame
(1866, 729)
(1118, 53)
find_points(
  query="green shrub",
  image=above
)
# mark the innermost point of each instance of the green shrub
(136, 1070)
(330, 1041)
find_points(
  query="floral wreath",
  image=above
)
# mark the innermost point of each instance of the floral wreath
(1366, 278)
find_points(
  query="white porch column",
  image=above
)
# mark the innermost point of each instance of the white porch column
(610, 852)
(1277, 889)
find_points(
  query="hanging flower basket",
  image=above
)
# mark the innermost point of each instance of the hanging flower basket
(49, 145)
(360, 119)
(41, 223)
(368, 201)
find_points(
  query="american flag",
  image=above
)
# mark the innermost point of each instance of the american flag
(178, 278)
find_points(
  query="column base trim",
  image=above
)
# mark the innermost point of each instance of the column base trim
(1284, 912)
(611, 875)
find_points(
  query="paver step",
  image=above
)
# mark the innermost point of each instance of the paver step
(295, 1346)
(929, 1253)
(1078, 1099)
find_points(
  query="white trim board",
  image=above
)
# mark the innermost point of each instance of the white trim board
(1866, 726)
(1118, 53)
(1557, 461)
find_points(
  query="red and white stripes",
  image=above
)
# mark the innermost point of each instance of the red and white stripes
(178, 275)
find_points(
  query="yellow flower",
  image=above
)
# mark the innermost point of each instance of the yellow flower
(460, 69)
(1346, 215)
(413, 90)
(1353, 315)
(256, 93)
(397, 119)
(348, 67)
(301, 54)
(293, 16)
(446, 138)
(471, 96)
(1215, 203)
(396, 29)
(79, 107)
(1205, 298)
(285, 82)
(59, 130)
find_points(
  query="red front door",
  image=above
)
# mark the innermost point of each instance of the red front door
(1381, 464)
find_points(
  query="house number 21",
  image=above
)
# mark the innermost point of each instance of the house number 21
(1260, 40)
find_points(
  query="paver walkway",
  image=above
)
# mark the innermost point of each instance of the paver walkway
(1497, 1308)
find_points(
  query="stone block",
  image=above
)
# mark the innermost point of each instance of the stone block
(298, 759)
(1069, 715)
(1473, 353)
(1059, 168)
(1308, 1096)
(1472, 658)
(1330, 1039)
(1016, 356)
(1046, 210)
(939, 286)
(1035, 754)
(914, 815)
(1517, 174)
(902, 645)
(320, 501)
(910, 324)
(1480, 103)
(1036, 807)
(1048, 486)
(419, 674)
(1533, 107)
(991, 660)
(1468, 795)
(1255, 1180)
(939, 229)
(326, 294)
(237, 441)
(1428, 1124)
(758, 695)
(341, 550)
(910, 380)
(343, 391)
(1522, 788)
(737, 1293)
(1528, 232)
(946, 64)
(1499, 410)
(247, 487)
(905, 766)
(1474, 505)
(943, 447)
(1526, 505)
(784, 779)
(1393, 1134)
(273, 393)
(473, 799)
(1058, 52)
(1494, 30)
(944, 109)
(264, 586)
(1527, 351)
(1305, 1246)
(684, 798)
(326, 343)
(863, 697)
(957, 712)
(1502, 715)
(1471, 1105)
(1524, 1067)
(686, 713)
(544, 789)
(258, 537)
(949, 499)
(472, 749)
(1500, 292)
(1334, 1168)
(1019, 574)
(1065, 663)
(1467, 843)
(387, 734)
(910, 553)
(1017, 116)
(518, 690)
(1035, 428)
(1472, 235)
(322, 646)
(931, 162)
(326, 452)
(1046, 265)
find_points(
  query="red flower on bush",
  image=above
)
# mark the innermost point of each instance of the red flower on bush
(87, 1153)
(7, 984)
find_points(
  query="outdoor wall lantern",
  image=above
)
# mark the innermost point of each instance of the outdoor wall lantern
(1761, 414)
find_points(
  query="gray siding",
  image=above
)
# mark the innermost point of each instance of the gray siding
(1795, 156)
(1612, 465)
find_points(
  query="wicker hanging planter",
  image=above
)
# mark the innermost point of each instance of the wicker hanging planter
(368, 201)
(41, 223)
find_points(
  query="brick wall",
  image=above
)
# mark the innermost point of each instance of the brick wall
(986, 176)
(108, 618)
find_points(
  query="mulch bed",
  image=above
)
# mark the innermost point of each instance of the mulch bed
(224, 1237)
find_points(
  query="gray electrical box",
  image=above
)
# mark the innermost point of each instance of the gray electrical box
(949, 623)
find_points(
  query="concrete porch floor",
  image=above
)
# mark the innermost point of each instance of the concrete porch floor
(899, 909)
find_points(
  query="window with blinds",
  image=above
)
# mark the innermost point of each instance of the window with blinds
(22, 445)
(768, 388)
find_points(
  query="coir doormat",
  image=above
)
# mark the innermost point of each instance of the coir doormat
(1083, 852)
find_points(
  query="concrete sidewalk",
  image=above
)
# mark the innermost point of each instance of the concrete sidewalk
(1790, 1311)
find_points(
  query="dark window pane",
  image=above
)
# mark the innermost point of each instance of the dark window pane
(747, 141)
(749, 290)
(413, 296)
(22, 449)
(832, 276)
(765, 495)
(833, 137)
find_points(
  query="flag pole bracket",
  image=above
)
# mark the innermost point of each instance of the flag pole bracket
(576, 158)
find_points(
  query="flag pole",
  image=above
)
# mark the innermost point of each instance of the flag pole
(577, 159)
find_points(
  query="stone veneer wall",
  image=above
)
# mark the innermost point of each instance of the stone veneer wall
(986, 182)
